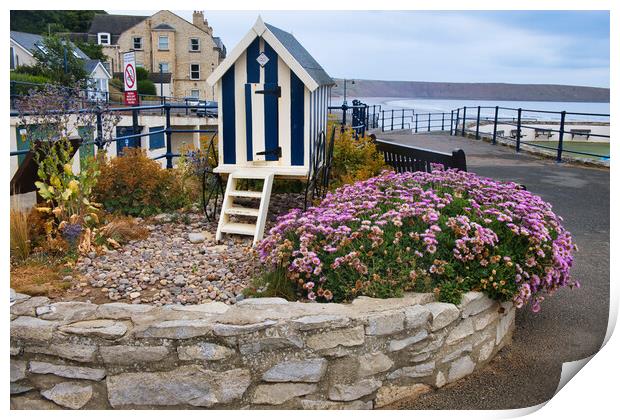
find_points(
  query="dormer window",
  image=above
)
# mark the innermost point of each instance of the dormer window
(103, 38)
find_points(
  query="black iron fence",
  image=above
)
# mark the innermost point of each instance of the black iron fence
(539, 129)
(167, 109)
(477, 122)
(19, 89)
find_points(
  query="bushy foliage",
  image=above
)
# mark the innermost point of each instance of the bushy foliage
(355, 159)
(58, 62)
(93, 51)
(26, 78)
(66, 194)
(146, 87)
(133, 184)
(446, 232)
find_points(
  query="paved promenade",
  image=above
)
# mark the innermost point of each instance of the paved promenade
(571, 324)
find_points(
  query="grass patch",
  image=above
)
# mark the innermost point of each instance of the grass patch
(574, 146)
(41, 275)
(272, 284)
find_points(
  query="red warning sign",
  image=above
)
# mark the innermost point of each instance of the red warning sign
(130, 79)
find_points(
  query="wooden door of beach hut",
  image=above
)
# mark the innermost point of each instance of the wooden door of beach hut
(273, 99)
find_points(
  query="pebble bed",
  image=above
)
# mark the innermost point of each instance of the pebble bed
(179, 262)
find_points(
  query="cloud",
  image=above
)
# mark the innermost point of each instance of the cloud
(470, 46)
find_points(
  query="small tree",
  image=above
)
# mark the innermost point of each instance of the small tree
(48, 118)
(94, 51)
(57, 62)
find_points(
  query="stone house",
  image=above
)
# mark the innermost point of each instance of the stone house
(188, 51)
(23, 45)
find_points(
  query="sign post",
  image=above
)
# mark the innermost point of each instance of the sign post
(130, 78)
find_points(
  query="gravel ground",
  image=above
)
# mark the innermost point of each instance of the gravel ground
(179, 262)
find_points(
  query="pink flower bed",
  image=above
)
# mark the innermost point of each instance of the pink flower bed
(448, 232)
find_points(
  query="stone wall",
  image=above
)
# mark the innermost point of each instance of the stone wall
(258, 353)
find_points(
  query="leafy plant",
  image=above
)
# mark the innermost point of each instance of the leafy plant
(446, 232)
(355, 159)
(58, 63)
(48, 121)
(273, 283)
(133, 184)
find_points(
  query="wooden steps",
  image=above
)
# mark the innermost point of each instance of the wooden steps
(230, 208)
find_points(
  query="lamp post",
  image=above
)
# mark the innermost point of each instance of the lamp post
(161, 82)
(345, 90)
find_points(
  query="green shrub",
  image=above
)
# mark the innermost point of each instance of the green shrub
(142, 73)
(146, 87)
(354, 159)
(31, 70)
(133, 184)
(19, 89)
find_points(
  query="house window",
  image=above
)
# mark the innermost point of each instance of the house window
(194, 44)
(164, 67)
(103, 38)
(195, 93)
(163, 42)
(137, 42)
(194, 71)
(12, 59)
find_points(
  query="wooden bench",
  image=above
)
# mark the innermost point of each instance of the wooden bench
(515, 133)
(580, 132)
(539, 132)
(404, 158)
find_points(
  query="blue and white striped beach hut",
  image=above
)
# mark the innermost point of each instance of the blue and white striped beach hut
(273, 101)
(273, 98)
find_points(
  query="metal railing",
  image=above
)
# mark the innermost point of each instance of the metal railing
(19, 89)
(474, 121)
(168, 130)
(519, 118)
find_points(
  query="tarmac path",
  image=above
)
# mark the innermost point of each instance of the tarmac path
(572, 323)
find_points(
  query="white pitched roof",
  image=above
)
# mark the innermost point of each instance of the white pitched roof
(287, 47)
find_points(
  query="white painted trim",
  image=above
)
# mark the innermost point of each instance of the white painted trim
(228, 62)
(99, 38)
(220, 125)
(99, 64)
(26, 50)
(258, 122)
(290, 60)
(261, 30)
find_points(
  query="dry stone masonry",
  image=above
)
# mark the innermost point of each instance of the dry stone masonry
(258, 353)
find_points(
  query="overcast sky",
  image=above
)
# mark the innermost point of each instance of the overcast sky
(562, 47)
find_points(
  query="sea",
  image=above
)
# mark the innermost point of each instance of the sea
(547, 111)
